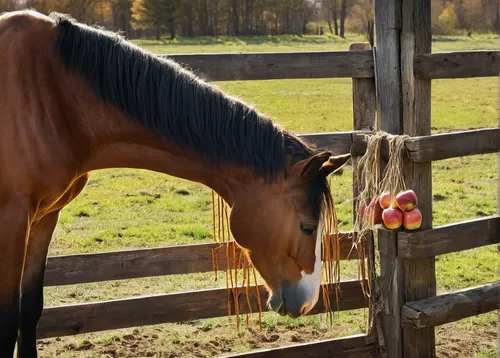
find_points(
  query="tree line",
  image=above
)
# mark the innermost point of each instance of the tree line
(157, 18)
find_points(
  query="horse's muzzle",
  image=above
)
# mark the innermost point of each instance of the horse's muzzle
(293, 300)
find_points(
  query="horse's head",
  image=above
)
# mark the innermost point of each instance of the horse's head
(281, 226)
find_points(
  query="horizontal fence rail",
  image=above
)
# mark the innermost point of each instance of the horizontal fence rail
(357, 346)
(332, 64)
(449, 238)
(279, 65)
(435, 311)
(419, 149)
(172, 260)
(175, 307)
(338, 142)
(460, 64)
(452, 145)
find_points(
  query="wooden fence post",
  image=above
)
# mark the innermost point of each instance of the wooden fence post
(364, 115)
(419, 275)
(364, 111)
(388, 73)
(403, 29)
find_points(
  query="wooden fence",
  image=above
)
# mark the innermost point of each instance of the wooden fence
(401, 97)
(405, 68)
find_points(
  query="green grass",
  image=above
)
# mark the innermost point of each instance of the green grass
(122, 209)
(289, 43)
(462, 43)
(249, 44)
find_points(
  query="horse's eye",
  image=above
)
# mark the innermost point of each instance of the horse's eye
(307, 229)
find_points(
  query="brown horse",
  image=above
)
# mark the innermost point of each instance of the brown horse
(75, 99)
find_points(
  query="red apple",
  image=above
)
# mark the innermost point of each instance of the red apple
(371, 213)
(406, 200)
(393, 218)
(385, 199)
(412, 219)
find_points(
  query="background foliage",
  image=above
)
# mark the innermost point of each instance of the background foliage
(139, 18)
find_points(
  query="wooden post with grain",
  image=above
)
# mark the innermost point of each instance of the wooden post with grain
(419, 275)
(364, 115)
(403, 32)
(388, 70)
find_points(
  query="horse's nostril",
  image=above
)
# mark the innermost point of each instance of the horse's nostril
(304, 310)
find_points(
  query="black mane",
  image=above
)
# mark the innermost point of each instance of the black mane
(177, 106)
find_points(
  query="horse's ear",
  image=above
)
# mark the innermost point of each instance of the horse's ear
(309, 168)
(333, 164)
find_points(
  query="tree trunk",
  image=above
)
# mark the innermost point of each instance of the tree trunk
(204, 17)
(497, 28)
(158, 33)
(330, 26)
(171, 25)
(121, 16)
(305, 20)
(236, 18)
(188, 10)
(276, 17)
(171, 21)
(335, 17)
(216, 18)
(247, 25)
(250, 17)
(343, 5)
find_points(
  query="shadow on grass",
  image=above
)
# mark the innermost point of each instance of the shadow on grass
(445, 39)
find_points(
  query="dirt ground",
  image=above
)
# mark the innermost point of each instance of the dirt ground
(453, 341)
(191, 340)
(208, 342)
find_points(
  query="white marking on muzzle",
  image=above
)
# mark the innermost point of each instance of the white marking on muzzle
(309, 284)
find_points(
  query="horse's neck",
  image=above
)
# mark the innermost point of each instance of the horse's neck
(114, 141)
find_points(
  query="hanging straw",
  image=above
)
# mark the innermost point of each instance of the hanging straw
(236, 262)
(372, 183)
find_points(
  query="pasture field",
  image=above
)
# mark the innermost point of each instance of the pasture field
(124, 209)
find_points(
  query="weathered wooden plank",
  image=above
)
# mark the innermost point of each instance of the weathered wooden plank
(388, 27)
(428, 148)
(389, 102)
(336, 142)
(449, 238)
(459, 64)
(420, 148)
(364, 108)
(357, 346)
(119, 265)
(364, 105)
(176, 307)
(391, 293)
(419, 275)
(450, 145)
(272, 66)
(363, 97)
(451, 307)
